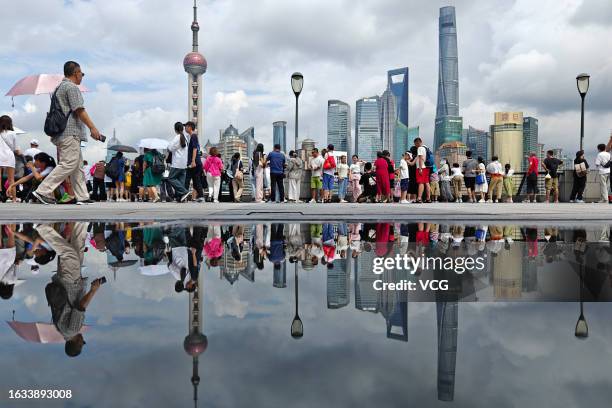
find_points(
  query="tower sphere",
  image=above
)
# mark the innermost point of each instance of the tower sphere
(195, 63)
(195, 344)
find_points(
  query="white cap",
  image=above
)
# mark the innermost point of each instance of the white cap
(34, 142)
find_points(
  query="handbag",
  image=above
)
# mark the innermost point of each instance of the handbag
(480, 179)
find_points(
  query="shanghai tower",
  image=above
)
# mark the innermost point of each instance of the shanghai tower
(448, 122)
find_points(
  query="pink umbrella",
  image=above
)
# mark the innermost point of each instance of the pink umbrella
(38, 84)
(36, 332)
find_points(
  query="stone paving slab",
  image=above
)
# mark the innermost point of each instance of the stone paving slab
(228, 212)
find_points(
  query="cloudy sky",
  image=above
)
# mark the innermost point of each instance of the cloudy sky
(513, 55)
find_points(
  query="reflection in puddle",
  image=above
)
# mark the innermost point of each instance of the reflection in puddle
(123, 278)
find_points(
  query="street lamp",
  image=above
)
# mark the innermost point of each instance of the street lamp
(297, 83)
(582, 82)
(582, 329)
(297, 328)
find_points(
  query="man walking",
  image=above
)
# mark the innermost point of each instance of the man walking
(194, 163)
(469, 176)
(276, 161)
(602, 163)
(69, 142)
(550, 165)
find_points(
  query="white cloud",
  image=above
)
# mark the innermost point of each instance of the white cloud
(519, 55)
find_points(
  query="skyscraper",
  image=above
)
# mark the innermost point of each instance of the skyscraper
(367, 128)
(448, 122)
(479, 143)
(530, 139)
(338, 284)
(339, 125)
(195, 65)
(507, 136)
(279, 135)
(394, 113)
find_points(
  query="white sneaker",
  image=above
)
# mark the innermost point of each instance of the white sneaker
(313, 201)
(481, 200)
(603, 201)
(216, 201)
(490, 201)
(299, 201)
(404, 202)
(571, 201)
(343, 201)
(580, 201)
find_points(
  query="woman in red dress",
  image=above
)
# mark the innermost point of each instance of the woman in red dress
(383, 187)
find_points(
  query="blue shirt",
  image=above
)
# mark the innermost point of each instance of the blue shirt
(277, 162)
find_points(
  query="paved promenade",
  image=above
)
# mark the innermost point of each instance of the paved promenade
(564, 213)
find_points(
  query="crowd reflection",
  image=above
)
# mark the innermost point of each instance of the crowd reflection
(516, 267)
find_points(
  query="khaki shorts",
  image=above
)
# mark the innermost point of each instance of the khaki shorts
(434, 187)
(316, 182)
(552, 184)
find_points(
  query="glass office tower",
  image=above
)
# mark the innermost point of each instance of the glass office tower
(339, 126)
(367, 128)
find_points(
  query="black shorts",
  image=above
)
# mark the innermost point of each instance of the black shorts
(532, 183)
(470, 182)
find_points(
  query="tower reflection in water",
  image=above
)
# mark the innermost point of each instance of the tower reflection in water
(521, 263)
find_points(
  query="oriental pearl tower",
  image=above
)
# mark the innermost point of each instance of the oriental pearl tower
(195, 65)
(195, 342)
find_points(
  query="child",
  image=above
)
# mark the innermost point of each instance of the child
(457, 178)
(342, 170)
(368, 181)
(434, 185)
(508, 182)
(404, 174)
(355, 174)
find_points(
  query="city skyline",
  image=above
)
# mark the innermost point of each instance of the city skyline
(504, 66)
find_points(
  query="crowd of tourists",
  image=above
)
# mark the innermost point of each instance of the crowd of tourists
(184, 172)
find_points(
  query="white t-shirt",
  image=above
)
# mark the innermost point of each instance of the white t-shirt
(422, 151)
(602, 158)
(32, 151)
(179, 154)
(316, 164)
(495, 168)
(355, 168)
(456, 172)
(404, 173)
(343, 170)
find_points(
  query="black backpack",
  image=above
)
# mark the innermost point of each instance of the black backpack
(112, 168)
(57, 297)
(159, 166)
(56, 120)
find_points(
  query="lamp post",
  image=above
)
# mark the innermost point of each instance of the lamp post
(582, 82)
(297, 83)
(582, 328)
(297, 328)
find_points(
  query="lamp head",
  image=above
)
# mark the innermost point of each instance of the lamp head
(297, 82)
(582, 81)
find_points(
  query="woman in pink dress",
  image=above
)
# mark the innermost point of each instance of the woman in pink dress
(383, 187)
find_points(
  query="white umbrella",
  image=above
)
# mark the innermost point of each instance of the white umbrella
(152, 143)
(154, 270)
